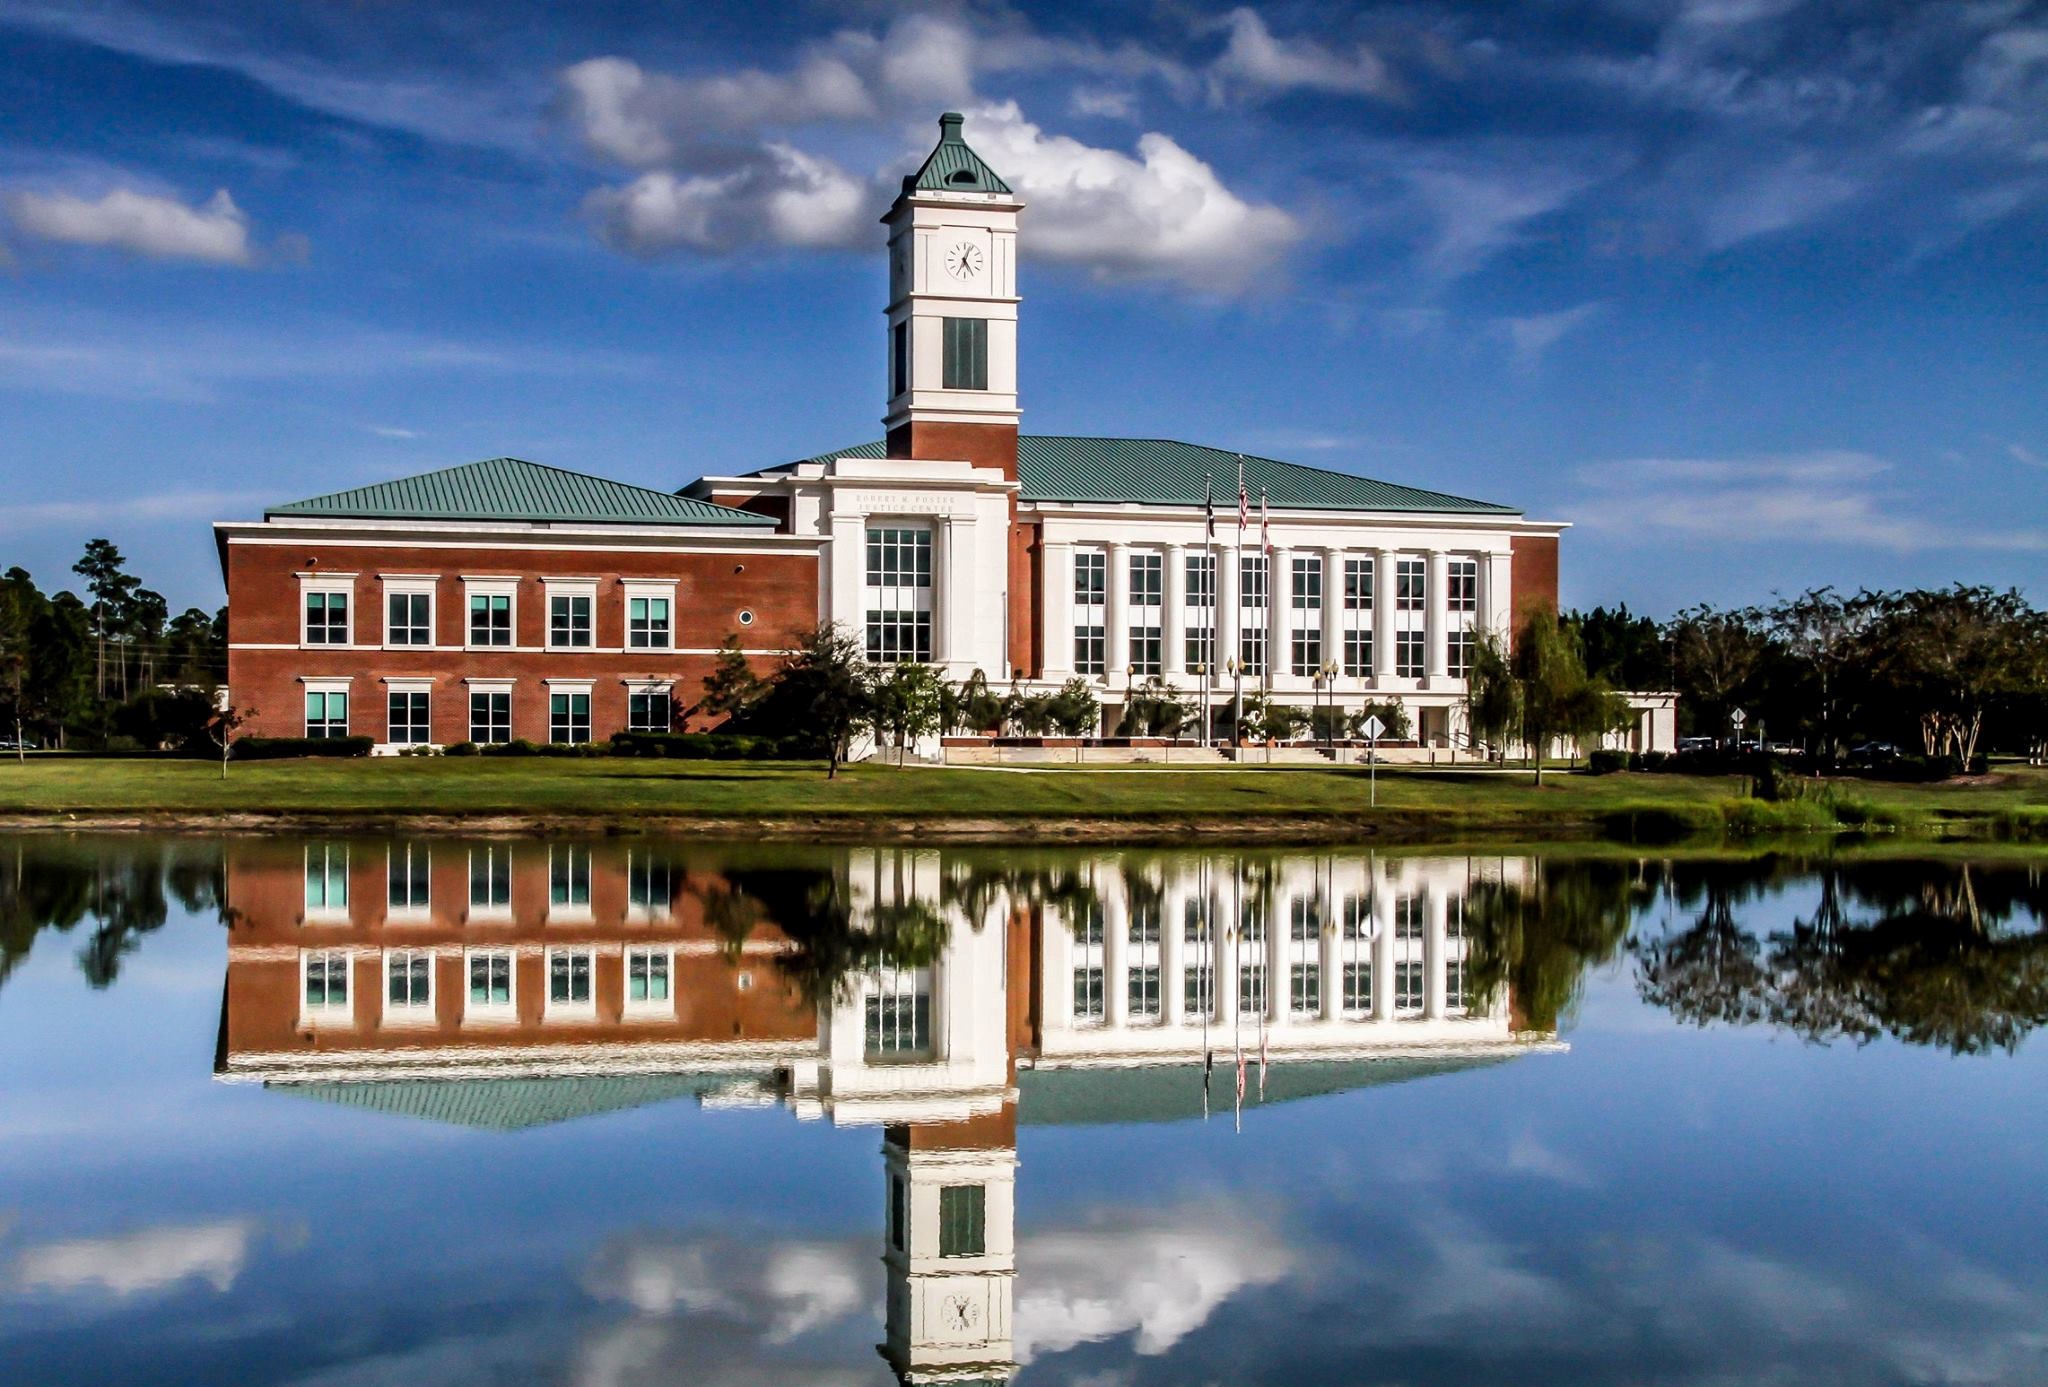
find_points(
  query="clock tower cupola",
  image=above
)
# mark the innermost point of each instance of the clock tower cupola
(952, 333)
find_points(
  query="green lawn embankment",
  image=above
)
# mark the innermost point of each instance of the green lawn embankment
(1157, 804)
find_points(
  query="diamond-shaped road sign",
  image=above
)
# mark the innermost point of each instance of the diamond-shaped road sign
(1373, 727)
(1738, 717)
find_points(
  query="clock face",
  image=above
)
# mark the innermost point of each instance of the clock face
(960, 1314)
(963, 261)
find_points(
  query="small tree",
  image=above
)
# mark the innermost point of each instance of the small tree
(1280, 722)
(823, 690)
(732, 687)
(221, 728)
(1393, 719)
(1073, 711)
(978, 708)
(1552, 682)
(909, 702)
(1493, 701)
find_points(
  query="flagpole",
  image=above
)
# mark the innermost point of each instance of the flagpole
(1237, 617)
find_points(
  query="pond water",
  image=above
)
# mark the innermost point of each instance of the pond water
(442, 1112)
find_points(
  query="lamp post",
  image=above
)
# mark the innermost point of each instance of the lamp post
(1329, 681)
(1237, 704)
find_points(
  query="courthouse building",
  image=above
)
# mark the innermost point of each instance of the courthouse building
(507, 599)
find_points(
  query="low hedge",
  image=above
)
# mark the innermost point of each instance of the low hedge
(716, 746)
(522, 747)
(279, 748)
(1606, 762)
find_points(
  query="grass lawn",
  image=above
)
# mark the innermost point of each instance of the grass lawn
(1327, 801)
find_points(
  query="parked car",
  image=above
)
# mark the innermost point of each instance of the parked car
(1873, 753)
(1785, 748)
(1695, 743)
(25, 744)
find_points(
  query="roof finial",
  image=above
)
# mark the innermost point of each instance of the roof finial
(949, 126)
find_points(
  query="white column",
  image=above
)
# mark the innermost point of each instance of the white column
(1116, 962)
(1383, 947)
(1117, 624)
(1382, 617)
(1333, 607)
(1433, 957)
(1496, 602)
(958, 596)
(1327, 949)
(1058, 558)
(1173, 590)
(1279, 616)
(848, 563)
(1172, 987)
(1228, 613)
(1436, 605)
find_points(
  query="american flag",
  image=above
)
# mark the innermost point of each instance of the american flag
(1244, 501)
(1209, 505)
(1265, 525)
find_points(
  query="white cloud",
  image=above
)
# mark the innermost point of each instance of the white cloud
(2019, 452)
(1164, 213)
(216, 232)
(783, 198)
(630, 116)
(114, 510)
(1829, 497)
(1479, 204)
(1160, 1282)
(389, 431)
(1255, 58)
(1104, 103)
(151, 1259)
(1529, 339)
(1773, 198)
(785, 1289)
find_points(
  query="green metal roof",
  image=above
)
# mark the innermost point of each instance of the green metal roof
(1162, 472)
(1173, 1092)
(952, 167)
(510, 1105)
(511, 489)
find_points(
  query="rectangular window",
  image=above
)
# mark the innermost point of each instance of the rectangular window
(409, 724)
(1251, 649)
(490, 618)
(326, 618)
(490, 877)
(409, 619)
(408, 878)
(1144, 992)
(569, 718)
(963, 1210)
(1198, 991)
(569, 977)
(568, 875)
(490, 716)
(1408, 653)
(1358, 653)
(1454, 987)
(899, 359)
(1251, 921)
(1305, 652)
(569, 622)
(649, 710)
(1200, 621)
(1461, 648)
(1358, 986)
(647, 975)
(650, 883)
(1358, 585)
(1305, 590)
(899, 1214)
(326, 714)
(1147, 606)
(1461, 582)
(409, 980)
(1411, 585)
(1305, 989)
(1357, 917)
(1251, 989)
(1251, 576)
(899, 595)
(1194, 920)
(327, 879)
(1088, 996)
(1409, 914)
(647, 623)
(1252, 605)
(1091, 607)
(1408, 978)
(490, 979)
(966, 343)
(327, 980)
(898, 1014)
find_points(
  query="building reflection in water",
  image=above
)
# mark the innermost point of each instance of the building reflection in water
(939, 996)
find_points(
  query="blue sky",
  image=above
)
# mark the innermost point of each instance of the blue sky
(1752, 291)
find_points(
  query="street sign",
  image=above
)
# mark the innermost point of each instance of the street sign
(1373, 727)
(1738, 717)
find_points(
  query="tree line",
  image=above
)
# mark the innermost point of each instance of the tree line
(106, 666)
(1952, 673)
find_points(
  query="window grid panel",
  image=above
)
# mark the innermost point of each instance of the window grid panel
(409, 975)
(410, 619)
(1411, 585)
(1461, 585)
(898, 617)
(569, 718)
(409, 723)
(649, 711)
(490, 717)
(647, 623)
(569, 622)
(1358, 585)
(963, 1215)
(966, 354)
(326, 715)
(327, 980)
(1409, 649)
(1357, 654)
(1091, 606)
(490, 618)
(326, 618)
(647, 975)
(569, 977)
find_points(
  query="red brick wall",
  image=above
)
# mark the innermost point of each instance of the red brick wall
(781, 590)
(266, 891)
(1027, 636)
(1533, 571)
(984, 445)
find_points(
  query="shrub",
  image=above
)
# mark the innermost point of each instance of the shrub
(279, 748)
(459, 749)
(421, 750)
(716, 746)
(1605, 762)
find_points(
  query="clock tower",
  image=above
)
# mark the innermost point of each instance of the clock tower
(952, 319)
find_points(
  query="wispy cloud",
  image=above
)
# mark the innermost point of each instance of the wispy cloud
(115, 510)
(1255, 58)
(151, 1259)
(1529, 339)
(1826, 498)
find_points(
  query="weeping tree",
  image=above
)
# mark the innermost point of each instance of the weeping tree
(1493, 702)
(910, 702)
